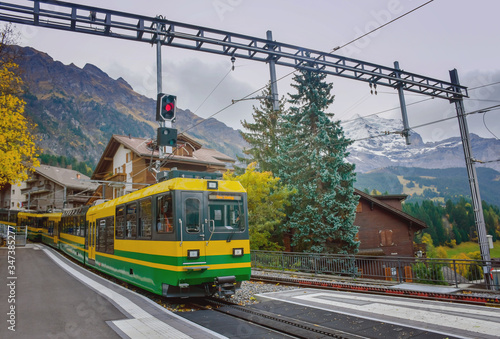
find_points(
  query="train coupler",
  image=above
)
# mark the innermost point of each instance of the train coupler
(226, 286)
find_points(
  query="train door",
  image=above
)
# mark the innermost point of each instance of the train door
(91, 238)
(193, 227)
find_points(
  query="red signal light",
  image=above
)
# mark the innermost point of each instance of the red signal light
(166, 107)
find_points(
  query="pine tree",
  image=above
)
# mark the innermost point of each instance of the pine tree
(312, 155)
(263, 134)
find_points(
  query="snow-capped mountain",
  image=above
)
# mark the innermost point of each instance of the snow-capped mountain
(369, 152)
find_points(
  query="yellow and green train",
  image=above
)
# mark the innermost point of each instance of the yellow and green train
(182, 237)
(34, 221)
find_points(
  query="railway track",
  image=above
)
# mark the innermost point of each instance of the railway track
(465, 296)
(287, 326)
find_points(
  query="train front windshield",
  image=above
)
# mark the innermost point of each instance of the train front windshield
(226, 213)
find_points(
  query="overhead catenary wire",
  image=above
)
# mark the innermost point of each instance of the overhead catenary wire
(376, 29)
(292, 72)
(385, 111)
(386, 133)
(213, 90)
(486, 126)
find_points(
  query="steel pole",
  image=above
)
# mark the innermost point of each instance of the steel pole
(163, 150)
(272, 71)
(402, 103)
(473, 182)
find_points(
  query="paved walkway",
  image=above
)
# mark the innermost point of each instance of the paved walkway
(54, 298)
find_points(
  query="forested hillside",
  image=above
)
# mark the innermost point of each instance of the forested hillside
(453, 223)
(439, 185)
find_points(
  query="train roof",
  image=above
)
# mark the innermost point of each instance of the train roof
(185, 184)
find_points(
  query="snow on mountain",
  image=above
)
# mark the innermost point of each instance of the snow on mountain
(369, 152)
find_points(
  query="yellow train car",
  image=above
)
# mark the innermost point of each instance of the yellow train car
(33, 221)
(49, 223)
(72, 231)
(181, 237)
(8, 217)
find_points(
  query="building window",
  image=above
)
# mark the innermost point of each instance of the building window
(385, 238)
(359, 208)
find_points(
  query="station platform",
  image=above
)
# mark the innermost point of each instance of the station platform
(380, 316)
(54, 298)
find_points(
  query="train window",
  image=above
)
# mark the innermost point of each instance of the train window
(105, 235)
(120, 222)
(164, 217)
(192, 207)
(110, 239)
(145, 218)
(101, 235)
(75, 229)
(131, 230)
(82, 225)
(51, 228)
(226, 214)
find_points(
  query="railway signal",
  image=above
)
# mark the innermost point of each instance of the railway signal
(167, 137)
(166, 107)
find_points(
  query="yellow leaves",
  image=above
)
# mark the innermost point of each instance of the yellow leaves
(17, 143)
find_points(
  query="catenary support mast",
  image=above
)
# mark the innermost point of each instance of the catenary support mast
(473, 182)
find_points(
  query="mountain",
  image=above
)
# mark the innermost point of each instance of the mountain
(77, 110)
(391, 150)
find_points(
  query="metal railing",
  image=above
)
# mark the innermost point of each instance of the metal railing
(21, 234)
(397, 269)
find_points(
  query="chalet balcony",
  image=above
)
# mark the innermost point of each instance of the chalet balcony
(37, 189)
(78, 199)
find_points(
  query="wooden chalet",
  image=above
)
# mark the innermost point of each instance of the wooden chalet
(384, 229)
(126, 161)
(55, 188)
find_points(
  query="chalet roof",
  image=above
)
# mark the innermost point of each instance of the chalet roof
(399, 197)
(377, 200)
(66, 177)
(139, 146)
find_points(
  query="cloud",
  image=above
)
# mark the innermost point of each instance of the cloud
(204, 87)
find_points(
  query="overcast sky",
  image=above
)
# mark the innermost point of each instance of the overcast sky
(432, 40)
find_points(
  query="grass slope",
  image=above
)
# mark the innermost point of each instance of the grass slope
(468, 247)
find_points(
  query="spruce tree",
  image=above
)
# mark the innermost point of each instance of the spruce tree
(263, 134)
(311, 159)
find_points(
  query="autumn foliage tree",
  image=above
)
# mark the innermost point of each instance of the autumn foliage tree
(267, 200)
(18, 152)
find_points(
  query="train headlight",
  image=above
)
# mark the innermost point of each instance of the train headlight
(193, 254)
(237, 252)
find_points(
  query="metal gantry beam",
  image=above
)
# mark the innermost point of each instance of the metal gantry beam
(98, 21)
